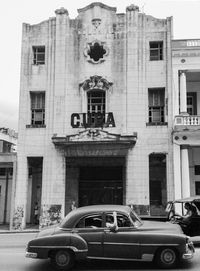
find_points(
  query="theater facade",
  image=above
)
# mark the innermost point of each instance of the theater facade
(95, 114)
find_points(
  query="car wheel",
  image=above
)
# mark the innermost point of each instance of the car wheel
(62, 259)
(166, 258)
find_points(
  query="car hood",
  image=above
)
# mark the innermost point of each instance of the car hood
(160, 226)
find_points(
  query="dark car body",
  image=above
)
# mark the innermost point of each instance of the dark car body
(176, 209)
(83, 233)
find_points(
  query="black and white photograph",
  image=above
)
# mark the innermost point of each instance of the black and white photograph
(100, 135)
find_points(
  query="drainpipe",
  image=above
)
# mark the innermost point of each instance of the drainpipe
(12, 207)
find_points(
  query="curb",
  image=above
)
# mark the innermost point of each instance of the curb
(17, 231)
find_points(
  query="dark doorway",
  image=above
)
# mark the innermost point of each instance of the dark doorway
(101, 185)
(157, 183)
(35, 165)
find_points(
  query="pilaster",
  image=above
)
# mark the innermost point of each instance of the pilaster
(185, 172)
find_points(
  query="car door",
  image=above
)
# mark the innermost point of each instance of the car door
(122, 243)
(90, 228)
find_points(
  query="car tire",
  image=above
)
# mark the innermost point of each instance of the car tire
(166, 258)
(62, 259)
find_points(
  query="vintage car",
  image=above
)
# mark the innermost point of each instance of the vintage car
(110, 232)
(175, 210)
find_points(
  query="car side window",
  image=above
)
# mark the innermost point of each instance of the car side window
(92, 221)
(122, 220)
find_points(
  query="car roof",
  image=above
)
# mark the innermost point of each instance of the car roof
(102, 207)
(76, 214)
(189, 199)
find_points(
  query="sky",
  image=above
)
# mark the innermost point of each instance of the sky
(186, 25)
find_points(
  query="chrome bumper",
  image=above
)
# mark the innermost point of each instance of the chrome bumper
(189, 251)
(31, 254)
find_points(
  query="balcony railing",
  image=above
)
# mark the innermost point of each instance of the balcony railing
(187, 120)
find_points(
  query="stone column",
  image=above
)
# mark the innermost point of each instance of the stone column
(132, 65)
(183, 93)
(61, 68)
(177, 172)
(185, 172)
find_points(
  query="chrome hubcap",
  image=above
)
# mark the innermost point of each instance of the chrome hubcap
(62, 259)
(168, 256)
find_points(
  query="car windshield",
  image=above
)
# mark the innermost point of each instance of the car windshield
(135, 219)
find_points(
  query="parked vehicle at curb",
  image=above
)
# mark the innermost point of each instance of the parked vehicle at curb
(176, 212)
(110, 232)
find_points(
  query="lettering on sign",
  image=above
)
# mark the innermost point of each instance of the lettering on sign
(88, 120)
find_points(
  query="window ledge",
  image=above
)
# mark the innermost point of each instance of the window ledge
(156, 124)
(156, 60)
(35, 126)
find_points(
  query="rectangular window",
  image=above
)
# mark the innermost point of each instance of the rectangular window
(38, 55)
(197, 169)
(37, 108)
(156, 105)
(2, 172)
(192, 103)
(197, 188)
(156, 50)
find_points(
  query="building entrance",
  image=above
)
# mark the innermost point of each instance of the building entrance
(101, 185)
(34, 190)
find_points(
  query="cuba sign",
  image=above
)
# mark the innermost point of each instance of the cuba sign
(88, 120)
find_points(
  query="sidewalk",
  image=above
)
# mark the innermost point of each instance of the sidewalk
(4, 228)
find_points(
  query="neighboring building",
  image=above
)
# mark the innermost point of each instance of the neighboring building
(8, 159)
(95, 114)
(186, 133)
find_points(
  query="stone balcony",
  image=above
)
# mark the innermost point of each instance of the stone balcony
(187, 120)
(186, 130)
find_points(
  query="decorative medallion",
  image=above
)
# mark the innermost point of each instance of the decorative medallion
(96, 52)
(96, 22)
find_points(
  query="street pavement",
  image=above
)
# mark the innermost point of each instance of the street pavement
(12, 258)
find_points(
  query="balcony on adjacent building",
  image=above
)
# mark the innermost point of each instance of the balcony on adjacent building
(187, 120)
(187, 124)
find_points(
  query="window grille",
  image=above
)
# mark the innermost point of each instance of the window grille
(156, 50)
(37, 108)
(38, 55)
(156, 105)
(96, 107)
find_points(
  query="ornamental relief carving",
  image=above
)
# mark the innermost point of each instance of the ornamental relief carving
(96, 82)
